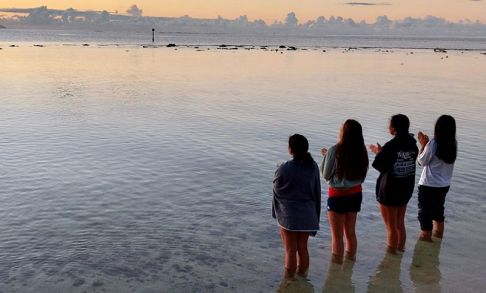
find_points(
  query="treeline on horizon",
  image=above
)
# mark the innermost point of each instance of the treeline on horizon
(42, 17)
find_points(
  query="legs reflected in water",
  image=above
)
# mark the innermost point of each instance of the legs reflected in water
(387, 276)
(424, 270)
(295, 285)
(339, 276)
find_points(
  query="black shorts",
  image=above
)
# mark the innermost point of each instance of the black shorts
(345, 203)
(393, 201)
(431, 202)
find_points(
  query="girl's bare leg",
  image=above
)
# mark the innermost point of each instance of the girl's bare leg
(289, 240)
(390, 218)
(350, 232)
(303, 254)
(438, 229)
(336, 221)
(401, 230)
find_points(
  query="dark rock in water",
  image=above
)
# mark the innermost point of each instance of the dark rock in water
(78, 282)
(13, 46)
(85, 45)
(484, 53)
(282, 47)
(149, 46)
(440, 50)
(291, 48)
(223, 284)
(196, 47)
(171, 45)
(97, 283)
(223, 46)
(40, 46)
(324, 51)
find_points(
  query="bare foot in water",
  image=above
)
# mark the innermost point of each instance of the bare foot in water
(426, 236)
(438, 230)
(302, 272)
(350, 256)
(337, 259)
(289, 274)
(391, 250)
(438, 234)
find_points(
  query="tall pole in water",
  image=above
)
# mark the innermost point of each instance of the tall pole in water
(153, 35)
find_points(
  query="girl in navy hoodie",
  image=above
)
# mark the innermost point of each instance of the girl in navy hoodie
(396, 163)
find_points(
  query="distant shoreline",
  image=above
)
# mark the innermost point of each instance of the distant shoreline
(224, 47)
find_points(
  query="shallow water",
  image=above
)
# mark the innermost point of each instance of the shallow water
(149, 170)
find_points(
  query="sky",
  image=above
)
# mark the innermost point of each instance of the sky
(270, 10)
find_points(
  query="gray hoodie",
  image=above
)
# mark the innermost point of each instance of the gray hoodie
(297, 197)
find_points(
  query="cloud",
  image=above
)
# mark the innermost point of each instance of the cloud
(321, 26)
(135, 11)
(372, 3)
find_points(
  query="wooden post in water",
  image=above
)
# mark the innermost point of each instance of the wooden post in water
(153, 35)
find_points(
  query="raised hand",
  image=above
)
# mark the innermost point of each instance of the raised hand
(375, 148)
(422, 138)
(323, 152)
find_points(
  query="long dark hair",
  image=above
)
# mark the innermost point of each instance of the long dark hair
(400, 123)
(351, 155)
(445, 137)
(299, 145)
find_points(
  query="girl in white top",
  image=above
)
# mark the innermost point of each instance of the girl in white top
(437, 156)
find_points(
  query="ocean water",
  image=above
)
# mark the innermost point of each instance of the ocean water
(130, 169)
(138, 36)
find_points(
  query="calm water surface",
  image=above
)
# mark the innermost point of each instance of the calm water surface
(138, 35)
(150, 170)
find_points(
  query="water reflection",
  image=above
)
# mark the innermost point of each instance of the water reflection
(424, 270)
(387, 276)
(338, 277)
(296, 285)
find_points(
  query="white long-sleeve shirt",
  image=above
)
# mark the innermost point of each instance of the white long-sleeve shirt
(436, 173)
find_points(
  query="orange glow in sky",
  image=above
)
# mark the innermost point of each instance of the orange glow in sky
(270, 10)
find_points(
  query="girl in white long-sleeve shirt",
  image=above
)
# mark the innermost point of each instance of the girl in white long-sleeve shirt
(437, 156)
